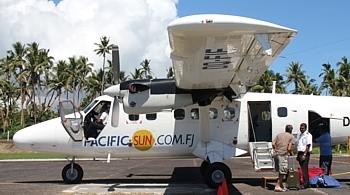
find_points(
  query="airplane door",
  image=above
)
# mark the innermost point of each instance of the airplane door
(71, 119)
(286, 113)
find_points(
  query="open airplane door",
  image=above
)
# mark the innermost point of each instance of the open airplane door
(324, 113)
(322, 116)
(72, 119)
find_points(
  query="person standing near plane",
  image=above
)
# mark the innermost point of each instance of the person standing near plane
(325, 142)
(304, 148)
(282, 145)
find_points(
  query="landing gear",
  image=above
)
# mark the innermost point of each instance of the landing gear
(204, 166)
(72, 173)
(215, 173)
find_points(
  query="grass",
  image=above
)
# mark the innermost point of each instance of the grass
(6, 156)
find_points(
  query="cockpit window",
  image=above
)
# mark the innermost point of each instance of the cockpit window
(92, 104)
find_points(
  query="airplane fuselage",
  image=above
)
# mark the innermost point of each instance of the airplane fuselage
(255, 117)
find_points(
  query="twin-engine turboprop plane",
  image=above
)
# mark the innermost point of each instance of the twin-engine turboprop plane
(204, 111)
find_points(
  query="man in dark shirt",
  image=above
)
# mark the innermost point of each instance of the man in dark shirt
(325, 142)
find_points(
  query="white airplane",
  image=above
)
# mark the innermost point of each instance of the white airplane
(203, 112)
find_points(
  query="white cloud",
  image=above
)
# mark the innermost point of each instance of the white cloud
(71, 28)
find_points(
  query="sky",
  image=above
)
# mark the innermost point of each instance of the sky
(70, 27)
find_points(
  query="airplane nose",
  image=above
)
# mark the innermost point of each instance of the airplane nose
(37, 137)
(18, 139)
(112, 91)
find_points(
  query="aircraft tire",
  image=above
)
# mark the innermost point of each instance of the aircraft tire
(74, 178)
(215, 173)
(204, 166)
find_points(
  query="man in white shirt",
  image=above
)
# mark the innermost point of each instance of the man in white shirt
(93, 129)
(304, 148)
(104, 116)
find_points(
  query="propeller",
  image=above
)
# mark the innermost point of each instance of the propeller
(115, 64)
(114, 90)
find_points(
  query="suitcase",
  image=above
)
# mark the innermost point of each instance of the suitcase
(292, 179)
(313, 171)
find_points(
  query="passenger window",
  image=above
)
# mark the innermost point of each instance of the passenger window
(213, 113)
(282, 111)
(134, 117)
(266, 115)
(195, 113)
(229, 113)
(179, 114)
(151, 117)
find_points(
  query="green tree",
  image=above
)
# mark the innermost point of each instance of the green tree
(146, 69)
(17, 56)
(295, 75)
(170, 72)
(265, 83)
(137, 74)
(38, 63)
(328, 78)
(344, 75)
(103, 48)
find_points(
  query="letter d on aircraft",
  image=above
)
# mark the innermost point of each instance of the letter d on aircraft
(346, 121)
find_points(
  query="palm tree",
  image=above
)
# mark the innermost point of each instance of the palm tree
(280, 88)
(344, 75)
(309, 87)
(170, 72)
(265, 83)
(17, 56)
(103, 48)
(296, 75)
(38, 63)
(73, 74)
(146, 69)
(137, 74)
(85, 68)
(93, 85)
(328, 77)
(122, 76)
(8, 92)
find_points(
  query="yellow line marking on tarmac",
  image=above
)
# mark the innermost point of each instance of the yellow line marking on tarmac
(344, 173)
(333, 161)
(5, 183)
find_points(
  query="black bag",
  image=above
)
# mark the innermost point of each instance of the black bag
(292, 179)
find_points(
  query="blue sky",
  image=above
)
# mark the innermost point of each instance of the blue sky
(318, 22)
(323, 27)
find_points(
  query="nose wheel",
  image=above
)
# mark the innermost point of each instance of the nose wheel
(215, 173)
(72, 173)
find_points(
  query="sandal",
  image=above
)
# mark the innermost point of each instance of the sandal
(279, 190)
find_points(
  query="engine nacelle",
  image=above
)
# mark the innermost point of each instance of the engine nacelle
(144, 102)
(149, 96)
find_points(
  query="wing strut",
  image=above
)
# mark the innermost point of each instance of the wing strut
(204, 125)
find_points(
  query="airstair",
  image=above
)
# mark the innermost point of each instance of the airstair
(260, 153)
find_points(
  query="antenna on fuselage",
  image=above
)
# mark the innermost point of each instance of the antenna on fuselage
(115, 64)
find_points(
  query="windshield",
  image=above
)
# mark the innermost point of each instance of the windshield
(92, 104)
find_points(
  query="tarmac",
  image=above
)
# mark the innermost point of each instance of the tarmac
(150, 176)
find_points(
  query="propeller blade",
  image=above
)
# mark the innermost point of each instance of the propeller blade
(115, 64)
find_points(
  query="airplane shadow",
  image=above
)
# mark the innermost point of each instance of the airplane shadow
(180, 175)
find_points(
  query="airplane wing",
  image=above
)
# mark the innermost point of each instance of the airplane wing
(216, 51)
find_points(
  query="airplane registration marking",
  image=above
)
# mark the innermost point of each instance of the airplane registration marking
(215, 59)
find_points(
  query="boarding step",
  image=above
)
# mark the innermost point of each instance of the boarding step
(261, 156)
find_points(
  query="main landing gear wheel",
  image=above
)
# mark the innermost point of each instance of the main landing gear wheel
(215, 173)
(204, 166)
(72, 177)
